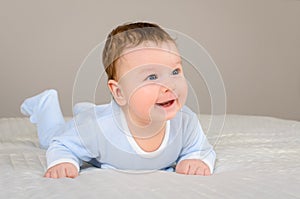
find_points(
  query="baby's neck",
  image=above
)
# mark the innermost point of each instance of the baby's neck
(152, 143)
(150, 137)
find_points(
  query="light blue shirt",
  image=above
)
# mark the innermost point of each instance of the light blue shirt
(100, 136)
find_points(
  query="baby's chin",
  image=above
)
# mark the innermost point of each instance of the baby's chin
(157, 114)
(160, 115)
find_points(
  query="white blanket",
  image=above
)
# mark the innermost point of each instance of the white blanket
(257, 157)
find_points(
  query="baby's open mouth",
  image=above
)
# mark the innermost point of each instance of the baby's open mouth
(166, 104)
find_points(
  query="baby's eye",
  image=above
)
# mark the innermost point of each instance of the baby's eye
(176, 71)
(152, 77)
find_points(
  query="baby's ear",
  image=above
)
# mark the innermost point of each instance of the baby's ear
(116, 91)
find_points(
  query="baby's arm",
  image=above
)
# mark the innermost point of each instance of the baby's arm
(62, 170)
(61, 159)
(67, 151)
(197, 156)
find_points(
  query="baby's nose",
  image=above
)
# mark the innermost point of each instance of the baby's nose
(168, 86)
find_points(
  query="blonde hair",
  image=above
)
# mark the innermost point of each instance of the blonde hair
(129, 36)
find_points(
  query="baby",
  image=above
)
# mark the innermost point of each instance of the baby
(145, 127)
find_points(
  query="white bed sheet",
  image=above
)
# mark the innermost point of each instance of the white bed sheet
(257, 157)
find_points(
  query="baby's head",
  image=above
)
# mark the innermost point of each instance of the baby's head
(144, 72)
(129, 36)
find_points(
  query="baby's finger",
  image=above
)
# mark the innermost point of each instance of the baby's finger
(199, 171)
(61, 172)
(47, 174)
(207, 172)
(53, 174)
(182, 168)
(70, 173)
(192, 170)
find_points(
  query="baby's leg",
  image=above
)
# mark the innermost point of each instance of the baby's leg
(44, 111)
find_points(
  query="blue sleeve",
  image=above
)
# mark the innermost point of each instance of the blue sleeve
(195, 144)
(78, 142)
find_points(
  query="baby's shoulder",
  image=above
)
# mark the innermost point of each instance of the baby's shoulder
(186, 113)
(87, 113)
(104, 110)
(184, 119)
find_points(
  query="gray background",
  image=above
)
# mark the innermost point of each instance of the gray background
(255, 43)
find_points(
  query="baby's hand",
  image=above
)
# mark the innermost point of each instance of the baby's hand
(192, 167)
(62, 170)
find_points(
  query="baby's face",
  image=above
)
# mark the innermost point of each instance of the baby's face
(152, 83)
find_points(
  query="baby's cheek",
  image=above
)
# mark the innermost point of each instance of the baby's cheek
(143, 99)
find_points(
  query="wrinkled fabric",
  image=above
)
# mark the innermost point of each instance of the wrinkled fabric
(258, 157)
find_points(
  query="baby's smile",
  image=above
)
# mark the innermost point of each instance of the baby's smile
(166, 104)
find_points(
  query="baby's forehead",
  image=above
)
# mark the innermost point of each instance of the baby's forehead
(165, 46)
(165, 54)
(148, 54)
